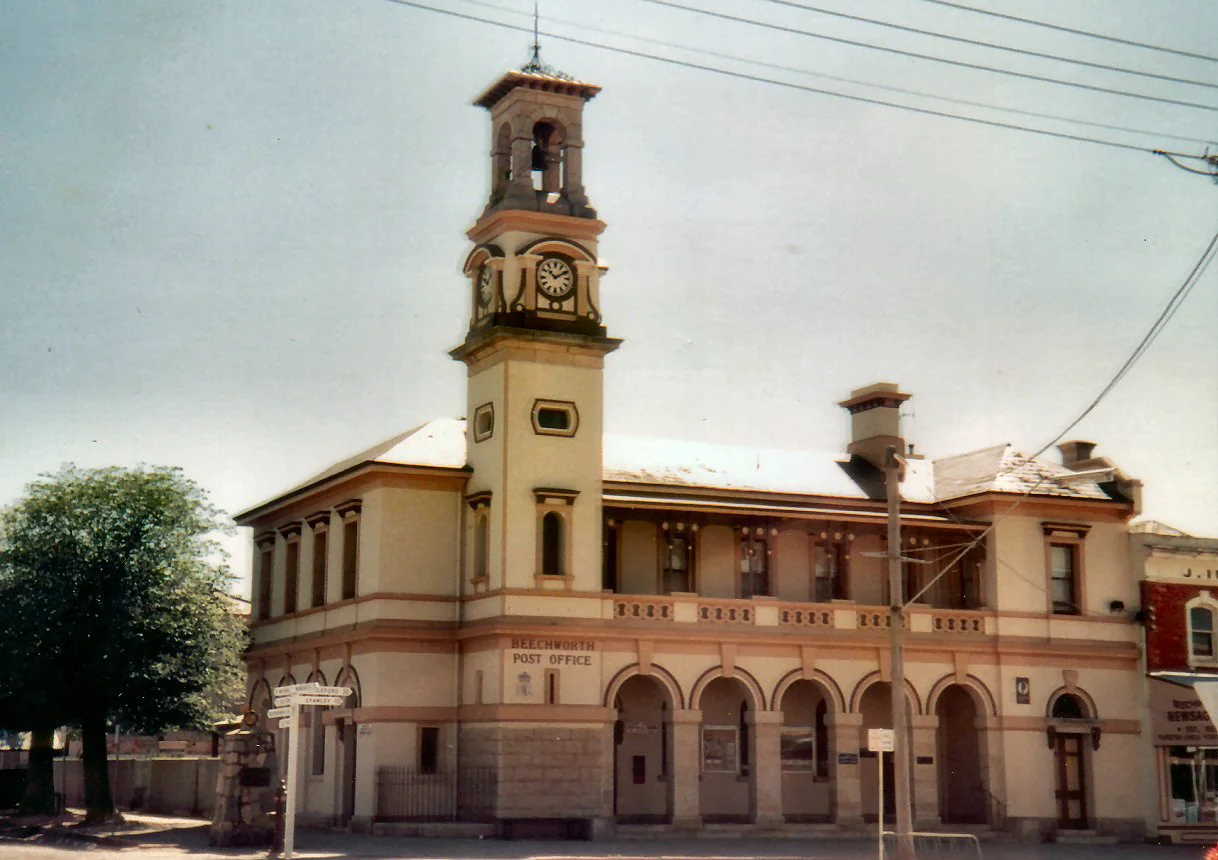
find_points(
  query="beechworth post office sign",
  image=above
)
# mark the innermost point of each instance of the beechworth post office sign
(534, 665)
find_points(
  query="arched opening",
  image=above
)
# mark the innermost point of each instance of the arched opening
(641, 757)
(283, 736)
(553, 547)
(501, 162)
(963, 794)
(876, 708)
(346, 734)
(804, 753)
(547, 159)
(728, 779)
(1070, 730)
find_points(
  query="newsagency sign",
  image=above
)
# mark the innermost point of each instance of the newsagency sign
(1178, 718)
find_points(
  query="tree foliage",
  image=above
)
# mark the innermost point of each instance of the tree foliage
(113, 605)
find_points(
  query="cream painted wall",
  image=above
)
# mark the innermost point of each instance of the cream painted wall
(1107, 569)
(418, 547)
(716, 562)
(400, 678)
(638, 573)
(793, 570)
(868, 574)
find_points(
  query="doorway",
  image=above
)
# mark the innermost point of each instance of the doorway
(1071, 785)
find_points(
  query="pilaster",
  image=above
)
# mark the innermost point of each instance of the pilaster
(844, 733)
(923, 730)
(765, 800)
(686, 761)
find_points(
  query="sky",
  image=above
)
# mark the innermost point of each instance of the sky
(231, 233)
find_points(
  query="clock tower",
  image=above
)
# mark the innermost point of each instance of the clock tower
(535, 346)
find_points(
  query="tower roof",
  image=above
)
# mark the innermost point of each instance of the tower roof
(535, 76)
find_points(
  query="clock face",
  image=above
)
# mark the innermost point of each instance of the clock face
(486, 280)
(554, 277)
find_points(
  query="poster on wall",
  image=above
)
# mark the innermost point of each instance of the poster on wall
(719, 749)
(798, 748)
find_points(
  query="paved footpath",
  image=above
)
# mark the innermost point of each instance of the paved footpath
(157, 838)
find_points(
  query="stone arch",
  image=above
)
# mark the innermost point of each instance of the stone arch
(821, 679)
(911, 694)
(286, 680)
(317, 676)
(742, 675)
(478, 256)
(260, 692)
(1092, 712)
(558, 246)
(982, 697)
(658, 673)
(348, 677)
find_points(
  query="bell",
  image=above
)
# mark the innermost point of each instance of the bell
(539, 158)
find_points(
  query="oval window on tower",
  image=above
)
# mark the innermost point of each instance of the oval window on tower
(555, 418)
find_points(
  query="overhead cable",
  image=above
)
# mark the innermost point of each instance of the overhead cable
(1085, 33)
(1078, 138)
(930, 57)
(837, 79)
(993, 45)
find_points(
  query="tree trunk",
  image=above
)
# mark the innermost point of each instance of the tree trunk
(39, 796)
(99, 805)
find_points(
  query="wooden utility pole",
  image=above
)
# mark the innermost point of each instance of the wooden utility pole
(893, 463)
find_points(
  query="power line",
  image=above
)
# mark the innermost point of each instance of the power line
(1085, 33)
(915, 55)
(835, 78)
(785, 84)
(1173, 305)
(993, 45)
(1148, 339)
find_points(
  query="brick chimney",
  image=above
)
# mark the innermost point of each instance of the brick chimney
(875, 421)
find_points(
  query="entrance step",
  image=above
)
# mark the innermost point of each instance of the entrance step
(1084, 837)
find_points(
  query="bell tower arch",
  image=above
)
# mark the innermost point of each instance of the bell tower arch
(535, 344)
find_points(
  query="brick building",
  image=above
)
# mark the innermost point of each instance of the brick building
(1179, 583)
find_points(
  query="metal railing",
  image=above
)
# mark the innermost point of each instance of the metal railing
(929, 846)
(409, 794)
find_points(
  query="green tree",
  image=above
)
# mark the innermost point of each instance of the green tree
(112, 595)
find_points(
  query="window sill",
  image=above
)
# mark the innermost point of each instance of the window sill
(549, 582)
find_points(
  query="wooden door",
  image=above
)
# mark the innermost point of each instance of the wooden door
(1071, 783)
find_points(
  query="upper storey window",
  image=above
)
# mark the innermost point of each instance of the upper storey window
(1201, 622)
(677, 552)
(1063, 572)
(1064, 560)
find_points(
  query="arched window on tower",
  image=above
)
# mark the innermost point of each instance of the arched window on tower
(547, 161)
(553, 549)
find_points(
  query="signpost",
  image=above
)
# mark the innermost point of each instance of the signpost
(288, 702)
(880, 741)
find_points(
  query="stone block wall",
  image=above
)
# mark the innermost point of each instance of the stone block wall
(544, 772)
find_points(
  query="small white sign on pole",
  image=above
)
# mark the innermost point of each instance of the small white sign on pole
(881, 740)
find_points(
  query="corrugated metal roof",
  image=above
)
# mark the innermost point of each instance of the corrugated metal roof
(670, 462)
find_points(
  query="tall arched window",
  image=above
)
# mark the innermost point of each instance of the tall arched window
(481, 547)
(553, 550)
